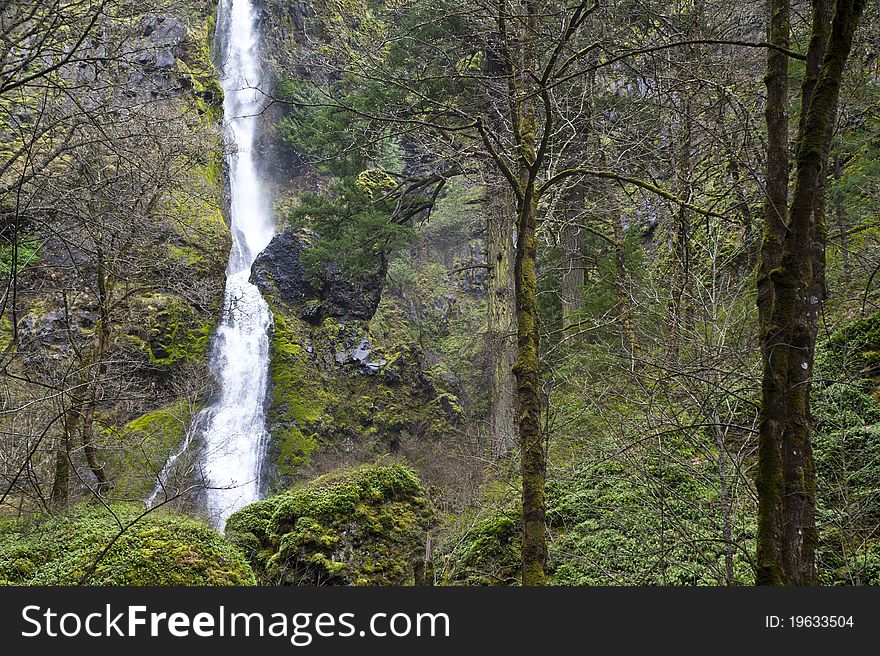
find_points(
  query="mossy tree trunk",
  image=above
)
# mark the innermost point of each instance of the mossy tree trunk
(528, 327)
(518, 34)
(84, 395)
(791, 276)
(61, 477)
(527, 370)
(532, 59)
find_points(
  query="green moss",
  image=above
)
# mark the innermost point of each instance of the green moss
(853, 347)
(5, 333)
(362, 526)
(604, 529)
(178, 335)
(159, 549)
(27, 251)
(201, 234)
(298, 396)
(485, 551)
(320, 398)
(846, 447)
(135, 453)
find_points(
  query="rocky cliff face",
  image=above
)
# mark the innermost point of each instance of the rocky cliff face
(344, 388)
(129, 240)
(349, 382)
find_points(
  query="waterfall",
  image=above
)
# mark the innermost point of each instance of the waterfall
(233, 428)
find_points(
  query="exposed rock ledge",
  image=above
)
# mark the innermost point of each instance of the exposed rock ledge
(279, 273)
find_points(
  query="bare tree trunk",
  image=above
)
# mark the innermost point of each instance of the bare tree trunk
(61, 478)
(98, 362)
(501, 318)
(572, 284)
(621, 287)
(621, 275)
(681, 312)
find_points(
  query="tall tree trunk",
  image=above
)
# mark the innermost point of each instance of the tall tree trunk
(527, 368)
(500, 223)
(61, 478)
(681, 311)
(102, 484)
(97, 362)
(789, 281)
(616, 217)
(769, 476)
(572, 284)
(501, 317)
(621, 287)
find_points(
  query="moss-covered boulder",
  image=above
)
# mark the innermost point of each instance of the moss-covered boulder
(159, 549)
(361, 526)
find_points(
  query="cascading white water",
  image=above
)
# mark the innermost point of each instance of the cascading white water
(233, 428)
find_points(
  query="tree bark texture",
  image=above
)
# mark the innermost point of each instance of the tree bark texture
(790, 281)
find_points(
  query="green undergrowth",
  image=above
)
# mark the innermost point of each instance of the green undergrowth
(177, 333)
(133, 454)
(159, 549)
(846, 448)
(605, 528)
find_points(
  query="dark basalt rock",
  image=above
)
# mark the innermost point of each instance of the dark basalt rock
(164, 38)
(279, 272)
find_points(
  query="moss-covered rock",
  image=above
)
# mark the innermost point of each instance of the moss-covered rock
(340, 388)
(134, 453)
(483, 550)
(158, 549)
(361, 526)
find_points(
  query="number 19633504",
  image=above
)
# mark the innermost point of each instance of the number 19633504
(809, 621)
